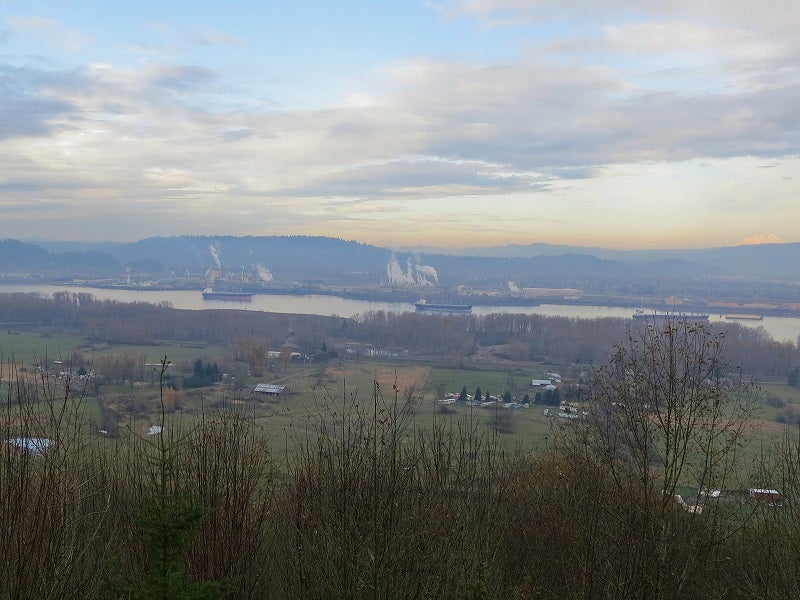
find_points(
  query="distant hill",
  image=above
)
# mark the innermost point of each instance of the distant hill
(332, 260)
(763, 261)
(285, 256)
(517, 251)
(20, 257)
(769, 261)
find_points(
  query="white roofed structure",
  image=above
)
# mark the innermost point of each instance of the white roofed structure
(271, 389)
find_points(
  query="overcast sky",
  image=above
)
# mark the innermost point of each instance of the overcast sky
(401, 123)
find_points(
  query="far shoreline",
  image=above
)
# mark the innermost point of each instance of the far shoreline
(389, 294)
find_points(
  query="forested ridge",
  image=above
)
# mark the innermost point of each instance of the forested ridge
(761, 273)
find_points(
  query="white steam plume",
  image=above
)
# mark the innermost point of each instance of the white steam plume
(215, 255)
(263, 273)
(395, 274)
(414, 274)
(427, 275)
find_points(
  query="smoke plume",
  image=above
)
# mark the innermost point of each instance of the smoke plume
(215, 256)
(263, 273)
(414, 274)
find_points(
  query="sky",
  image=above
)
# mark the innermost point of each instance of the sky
(445, 123)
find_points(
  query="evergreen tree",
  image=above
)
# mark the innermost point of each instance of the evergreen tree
(166, 524)
(551, 397)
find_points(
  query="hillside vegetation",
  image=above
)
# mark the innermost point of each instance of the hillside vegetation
(360, 484)
(375, 503)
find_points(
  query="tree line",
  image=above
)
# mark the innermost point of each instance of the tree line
(520, 337)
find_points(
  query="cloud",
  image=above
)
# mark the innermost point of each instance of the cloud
(515, 12)
(179, 78)
(237, 134)
(193, 35)
(435, 130)
(760, 238)
(204, 37)
(424, 176)
(174, 137)
(535, 116)
(52, 30)
(29, 101)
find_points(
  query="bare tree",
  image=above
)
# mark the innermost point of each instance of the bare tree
(669, 410)
(668, 413)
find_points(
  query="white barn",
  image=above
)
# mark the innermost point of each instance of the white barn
(271, 389)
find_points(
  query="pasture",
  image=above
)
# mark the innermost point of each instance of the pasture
(320, 393)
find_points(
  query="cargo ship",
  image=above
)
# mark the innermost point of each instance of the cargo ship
(744, 317)
(425, 306)
(655, 317)
(209, 294)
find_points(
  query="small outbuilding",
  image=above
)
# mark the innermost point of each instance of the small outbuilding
(32, 445)
(270, 389)
(771, 497)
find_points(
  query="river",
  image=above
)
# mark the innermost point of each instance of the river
(782, 329)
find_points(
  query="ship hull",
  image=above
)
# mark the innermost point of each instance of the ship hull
(443, 308)
(673, 317)
(228, 296)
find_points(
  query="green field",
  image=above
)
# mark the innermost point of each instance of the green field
(317, 392)
(31, 347)
(324, 392)
(28, 347)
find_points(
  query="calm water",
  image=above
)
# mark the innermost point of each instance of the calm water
(784, 329)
